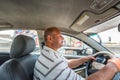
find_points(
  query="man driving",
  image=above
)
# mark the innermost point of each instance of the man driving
(52, 66)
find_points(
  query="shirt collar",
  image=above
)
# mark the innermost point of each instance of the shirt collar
(48, 48)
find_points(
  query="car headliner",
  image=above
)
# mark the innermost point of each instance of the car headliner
(65, 14)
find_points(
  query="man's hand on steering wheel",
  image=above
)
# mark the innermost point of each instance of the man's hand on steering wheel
(88, 58)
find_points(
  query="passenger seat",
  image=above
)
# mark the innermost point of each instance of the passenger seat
(21, 64)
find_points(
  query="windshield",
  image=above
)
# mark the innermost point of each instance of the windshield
(110, 39)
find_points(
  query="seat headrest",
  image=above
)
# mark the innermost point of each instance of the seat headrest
(22, 45)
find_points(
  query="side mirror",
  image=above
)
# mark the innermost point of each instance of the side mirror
(119, 27)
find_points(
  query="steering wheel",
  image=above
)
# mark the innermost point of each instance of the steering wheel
(100, 61)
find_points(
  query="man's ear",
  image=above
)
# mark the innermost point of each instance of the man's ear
(49, 38)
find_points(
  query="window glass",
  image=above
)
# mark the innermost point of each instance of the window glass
(7, 36)
(73, 46)
(110, 39)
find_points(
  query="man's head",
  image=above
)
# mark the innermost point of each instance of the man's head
(53, 38)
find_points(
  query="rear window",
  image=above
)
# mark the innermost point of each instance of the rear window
(7, 36)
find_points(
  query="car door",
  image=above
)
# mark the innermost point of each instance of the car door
(5, 44)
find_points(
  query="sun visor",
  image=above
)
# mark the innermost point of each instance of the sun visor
(89, 19)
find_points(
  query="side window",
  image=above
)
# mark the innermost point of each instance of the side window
(7, 36)
(73, 46)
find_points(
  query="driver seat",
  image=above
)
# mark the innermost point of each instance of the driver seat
(21, 64)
